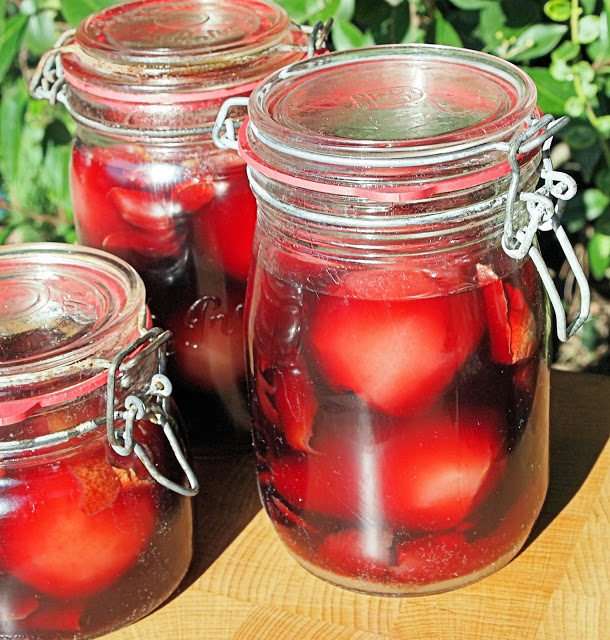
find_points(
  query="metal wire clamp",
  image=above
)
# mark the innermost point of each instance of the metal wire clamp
(153, 405)
(224, 131)
(545, 215)
(48, 81)
(318, 36)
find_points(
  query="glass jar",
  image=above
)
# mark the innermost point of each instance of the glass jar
(396, 322)
(96, 520)
(143, 81)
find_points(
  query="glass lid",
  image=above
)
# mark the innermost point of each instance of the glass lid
(411, 98)
(167, 51)
(61, 305)
(145, 31)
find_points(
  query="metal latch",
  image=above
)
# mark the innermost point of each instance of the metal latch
(545, 215)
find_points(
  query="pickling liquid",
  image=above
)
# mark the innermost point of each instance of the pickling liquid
(89, 542)
(188, 232)
(401, 429)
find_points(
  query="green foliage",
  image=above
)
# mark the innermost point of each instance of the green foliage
(563, 44)
(34, 136)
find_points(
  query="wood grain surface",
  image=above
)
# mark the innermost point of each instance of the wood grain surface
(243, 585)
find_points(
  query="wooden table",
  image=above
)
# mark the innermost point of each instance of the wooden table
(244, 585)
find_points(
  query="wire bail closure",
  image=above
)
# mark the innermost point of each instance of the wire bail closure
(48, 81)
(153, 405)
(224, 130)
(545, 215)
(318, 36)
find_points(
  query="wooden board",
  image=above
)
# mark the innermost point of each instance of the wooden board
(558, 588)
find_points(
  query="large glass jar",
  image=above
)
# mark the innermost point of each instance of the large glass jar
(397, 326)
(144, 81)
(96, 520)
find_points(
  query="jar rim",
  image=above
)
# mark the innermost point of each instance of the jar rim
(384, 121)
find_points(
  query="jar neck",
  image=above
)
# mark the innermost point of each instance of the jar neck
(141, 120)
(160, 160)
(75, 417)
(349, 228)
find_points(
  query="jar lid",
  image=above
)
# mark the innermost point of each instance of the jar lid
(397, 119)
(146, 31)
(62, 305)
(190, 45)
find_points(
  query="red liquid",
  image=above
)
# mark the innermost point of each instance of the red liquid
(401, 440)
(188, 232)
(89, 542)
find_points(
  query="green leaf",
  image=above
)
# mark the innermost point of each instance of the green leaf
(599, 50)
(602, 180)
(345, 11)
(573, 218)
(25, 232)
(69, 235)
(55, 175)
(536, 41)
(596, 203)
(444, 32)
(296, 9)
(347, 36)
(566, 51)
(584, 70)
(574, 107)
(491, 20)
(552, 94)
(386, 24)
(558, 10)
(587, 160)
(469, 5)
(41, 33)
(602, 224)
(579, 135)
(588, 6)
(309, 11)
(13, 103)
(494, 31)
(561, 71)
(589, 28)
(2, 17)
(75, 10)
(27, 190)
(11, 41)
(603, 126)
(329, 10)
(599, 255)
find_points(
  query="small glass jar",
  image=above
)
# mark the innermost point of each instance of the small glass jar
(143, 81)
(396, 322)
(96, 520)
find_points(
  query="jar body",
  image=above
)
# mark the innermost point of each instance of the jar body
(399, 392)
(182, 213)
(89, 541)
(144, 83)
